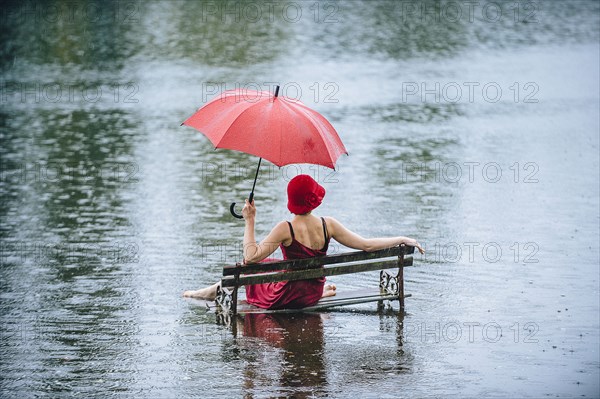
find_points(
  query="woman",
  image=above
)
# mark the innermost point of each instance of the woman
(305, 236)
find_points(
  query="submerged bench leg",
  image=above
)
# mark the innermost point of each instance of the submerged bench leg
(400, 279)
(224, 306)
(388, 285)
(401, 286)
(234, 300)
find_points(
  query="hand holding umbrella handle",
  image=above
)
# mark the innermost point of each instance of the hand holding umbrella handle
(232, 207)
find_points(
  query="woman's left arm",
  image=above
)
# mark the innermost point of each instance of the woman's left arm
(253, 251)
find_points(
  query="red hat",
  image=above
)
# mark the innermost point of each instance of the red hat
(304, 194)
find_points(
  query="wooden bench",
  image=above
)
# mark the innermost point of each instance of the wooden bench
(391, 285)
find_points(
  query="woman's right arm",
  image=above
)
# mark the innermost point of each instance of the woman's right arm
(253, 251)
(350, 239)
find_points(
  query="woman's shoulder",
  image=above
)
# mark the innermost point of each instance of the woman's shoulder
(281, 231)
(330, 220)
(281, 225)
(333, 225)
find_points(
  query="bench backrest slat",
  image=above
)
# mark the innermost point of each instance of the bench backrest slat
(311, 263)
(328, 270)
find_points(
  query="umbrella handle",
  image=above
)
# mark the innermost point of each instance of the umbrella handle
(232, 207)
(232, 210)
(251, 196)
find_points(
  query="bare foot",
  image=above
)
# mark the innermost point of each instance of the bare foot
(193, 294)
(204, 293)
(329, 290)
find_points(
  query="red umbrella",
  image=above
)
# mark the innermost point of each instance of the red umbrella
(278, 129)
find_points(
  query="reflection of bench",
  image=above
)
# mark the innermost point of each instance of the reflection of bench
(391, 285)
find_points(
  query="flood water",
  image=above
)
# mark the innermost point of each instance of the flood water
(473, 127)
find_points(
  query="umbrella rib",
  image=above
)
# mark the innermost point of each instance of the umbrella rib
(218, 140)
(236, 119)
(307, 112)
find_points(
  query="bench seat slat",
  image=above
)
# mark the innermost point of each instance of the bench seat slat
(352, 298)
(229, 281)
(302, 264)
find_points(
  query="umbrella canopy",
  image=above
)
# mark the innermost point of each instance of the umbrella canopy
(278, 129)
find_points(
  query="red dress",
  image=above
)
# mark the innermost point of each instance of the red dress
(290, 294)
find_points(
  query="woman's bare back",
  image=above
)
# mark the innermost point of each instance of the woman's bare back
(308, 231)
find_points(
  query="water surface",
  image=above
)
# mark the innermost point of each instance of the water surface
(475, 133)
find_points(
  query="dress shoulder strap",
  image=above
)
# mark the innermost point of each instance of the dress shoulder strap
(291, 230)
(324, 229)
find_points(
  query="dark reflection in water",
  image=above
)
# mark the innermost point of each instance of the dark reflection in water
(301, 340)
(66, 238)
(96, 34)
(311, 355)
(414, 113)
(402, 29)
(103, 33)
(64, 247)
(214, 36)
(416, 34)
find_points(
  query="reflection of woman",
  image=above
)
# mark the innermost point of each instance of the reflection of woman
(305, 236)
(301, 370)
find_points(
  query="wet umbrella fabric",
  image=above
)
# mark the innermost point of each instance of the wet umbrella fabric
(281, 130)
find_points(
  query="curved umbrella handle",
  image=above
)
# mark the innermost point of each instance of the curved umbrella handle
(232, 210)
(251, 196)
(232, 207)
